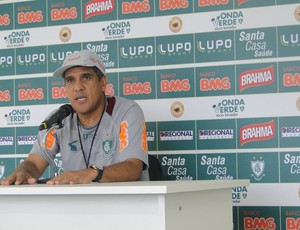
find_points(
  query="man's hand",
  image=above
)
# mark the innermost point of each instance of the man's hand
(84, 176)
(18, 178)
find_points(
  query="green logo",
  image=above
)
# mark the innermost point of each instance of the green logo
(107, 147)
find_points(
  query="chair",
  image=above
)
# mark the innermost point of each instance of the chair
(155, 169)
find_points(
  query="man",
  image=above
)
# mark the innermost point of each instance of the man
(104, 140)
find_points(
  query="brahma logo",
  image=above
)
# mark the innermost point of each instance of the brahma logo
(257, 78)
(240, 2)
(98, 7)
(257, 132)
(214, 134)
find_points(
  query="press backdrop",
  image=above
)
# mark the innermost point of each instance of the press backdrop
(218, 81)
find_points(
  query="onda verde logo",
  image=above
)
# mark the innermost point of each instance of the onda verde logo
(229, 107)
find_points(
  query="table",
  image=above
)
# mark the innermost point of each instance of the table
(155, 205)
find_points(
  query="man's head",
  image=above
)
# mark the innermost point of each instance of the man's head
(84, 58)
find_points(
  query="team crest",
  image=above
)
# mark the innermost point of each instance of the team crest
(2, 170)
(258, 167)
(107, 148)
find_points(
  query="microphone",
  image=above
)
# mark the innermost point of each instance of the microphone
(57, 117)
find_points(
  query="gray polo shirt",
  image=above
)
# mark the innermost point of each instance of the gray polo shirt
(120, 136)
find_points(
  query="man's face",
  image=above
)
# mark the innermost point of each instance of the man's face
(84, 89)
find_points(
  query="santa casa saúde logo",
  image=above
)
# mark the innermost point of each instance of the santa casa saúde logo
(17, 38)
(117, 30)
(228, 20)
(18, 117)
(229, 107)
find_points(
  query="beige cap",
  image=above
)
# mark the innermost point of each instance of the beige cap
(83, 58)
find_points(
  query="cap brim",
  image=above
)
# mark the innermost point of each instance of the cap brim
(60, 71)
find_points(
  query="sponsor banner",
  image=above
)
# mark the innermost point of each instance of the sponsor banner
(176, 137)
(257, 78)
(253, 3)
(151, 136)
(22, 116)
(63, 12)
(212, 47)
(25, 138)
(180, 48)
(137, 85)
(207, 5)
(255, 43)
(163, 26)
(288, 41)
(216, 134)
(206, 108)
(289, 76)
(135, 9)
(178, 167)
(289, 167)
(7, 62)
(6, 17)
(259, 218)
(175, 83)
(31, 91)
(257, 133)
(107, 50)
(290, 218)
(30, 14)
(7, 141)
(142, 51)
(29, 61)
(215, 81)
(99, 10)
(216, 166)
(58, 53)
(258, 167)
(7, 93)
(289, 131)
(57, 91)
(112, 84)
(271, 195)
(167, 7)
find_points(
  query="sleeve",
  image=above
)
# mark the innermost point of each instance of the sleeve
(46, 145)
(133, 135)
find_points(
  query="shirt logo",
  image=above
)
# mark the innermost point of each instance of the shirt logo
(123, 135)
(107, 147)
(73, 147)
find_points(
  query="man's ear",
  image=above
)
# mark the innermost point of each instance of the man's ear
(103, 82)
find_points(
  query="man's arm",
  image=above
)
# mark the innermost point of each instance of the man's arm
(27, 172)
(128, 170)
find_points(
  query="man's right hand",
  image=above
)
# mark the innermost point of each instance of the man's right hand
(18, 178)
